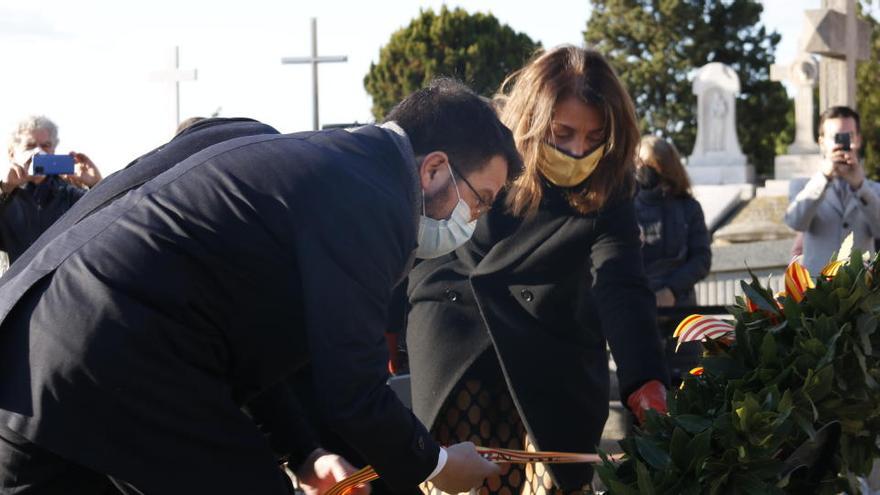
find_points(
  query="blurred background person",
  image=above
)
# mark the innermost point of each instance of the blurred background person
(30, 203)
(675, 243)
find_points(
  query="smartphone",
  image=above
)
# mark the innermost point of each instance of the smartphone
(842, 138)
(52, 164)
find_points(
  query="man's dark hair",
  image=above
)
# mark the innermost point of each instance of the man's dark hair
(839, 112)
(448, 116)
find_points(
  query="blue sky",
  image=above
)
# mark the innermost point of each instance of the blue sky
(86, 64)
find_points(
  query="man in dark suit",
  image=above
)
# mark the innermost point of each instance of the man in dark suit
(134, 335)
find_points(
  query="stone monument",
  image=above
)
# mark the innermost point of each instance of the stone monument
(802, 158)
(717, 157)
(841, 39)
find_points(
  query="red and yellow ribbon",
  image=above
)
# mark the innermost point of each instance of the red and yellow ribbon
(797, 281)
(832, 268)
(699, 327)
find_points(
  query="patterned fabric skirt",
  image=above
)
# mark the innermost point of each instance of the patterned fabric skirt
(480, 409)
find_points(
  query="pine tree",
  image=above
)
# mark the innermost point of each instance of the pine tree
(474, 48)
(868, 98)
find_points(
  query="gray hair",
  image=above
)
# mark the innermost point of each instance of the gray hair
(30, 124)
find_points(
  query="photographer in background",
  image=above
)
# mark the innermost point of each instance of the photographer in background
(30, 201)
(838, 199)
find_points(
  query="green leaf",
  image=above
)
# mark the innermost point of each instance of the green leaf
(692, 423)
(646, 487)
(678, 448)
(768, 349)
(653, 455)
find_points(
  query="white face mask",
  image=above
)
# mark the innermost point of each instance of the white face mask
(439, 237)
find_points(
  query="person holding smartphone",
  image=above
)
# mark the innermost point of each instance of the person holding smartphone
(33, 197)
(839, 199)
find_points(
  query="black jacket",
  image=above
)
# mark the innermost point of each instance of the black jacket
(544, 294)
(132, 339)
(676, 250)
(28, 211)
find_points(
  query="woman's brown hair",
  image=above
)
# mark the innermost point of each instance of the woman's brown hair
(530, 95)
(661, 155)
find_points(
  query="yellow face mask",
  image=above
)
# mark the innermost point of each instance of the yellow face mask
(564, 170)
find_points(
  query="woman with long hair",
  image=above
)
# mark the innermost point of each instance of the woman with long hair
(507, 335)
(676, 248)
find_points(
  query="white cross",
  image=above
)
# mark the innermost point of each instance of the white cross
(314, 60)
(175, 75)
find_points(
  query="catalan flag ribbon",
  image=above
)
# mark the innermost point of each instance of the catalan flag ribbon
(832, 268)
(699, 327)
(368, 474)
(797, 281)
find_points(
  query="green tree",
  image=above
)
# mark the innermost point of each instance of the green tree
(474, 48)
(868, 98)
(656, 46)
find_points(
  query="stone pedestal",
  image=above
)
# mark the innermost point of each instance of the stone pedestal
(788, 167)
(720, 173)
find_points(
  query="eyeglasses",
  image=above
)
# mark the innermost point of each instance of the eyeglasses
(482, 206)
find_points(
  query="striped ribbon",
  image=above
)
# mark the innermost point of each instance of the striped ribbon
(498, 456)
(832, 268)
(797, 281)
(699, 327)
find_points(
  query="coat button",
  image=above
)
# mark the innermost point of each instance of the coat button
(451, 295)
(421, 443)
(527, 295)
(845, 225)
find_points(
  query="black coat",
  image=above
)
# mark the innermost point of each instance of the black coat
(676, 250)
(131, 341)
(29, 210)
(545, 294)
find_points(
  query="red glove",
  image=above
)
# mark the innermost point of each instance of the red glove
(393, 353)
(651, 395)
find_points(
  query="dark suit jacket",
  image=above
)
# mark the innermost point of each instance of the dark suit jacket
(135, 336)
(544, 295)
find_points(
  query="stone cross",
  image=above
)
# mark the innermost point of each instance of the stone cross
(803, 72)
(175, 75)
(314, 60)
(841, 39)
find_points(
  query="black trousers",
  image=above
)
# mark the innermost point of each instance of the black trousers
(26, 469)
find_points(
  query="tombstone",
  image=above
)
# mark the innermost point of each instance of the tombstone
(802, 157)
(717, 157)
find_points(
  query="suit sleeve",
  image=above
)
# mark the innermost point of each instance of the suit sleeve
(625, 302)
(283, 422)
(699, 253)
(803, 208)
(869, 204)
(349, 267)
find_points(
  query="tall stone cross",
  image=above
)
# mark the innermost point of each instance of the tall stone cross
(841, 39)
(803, 72)
(175, 75)
(314, 60)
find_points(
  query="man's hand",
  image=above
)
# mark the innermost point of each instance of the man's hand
(322, 470)
(844, 164)
(665, 298)
(86, 173)
(651, 395)
(16, 176)
(464, 469)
